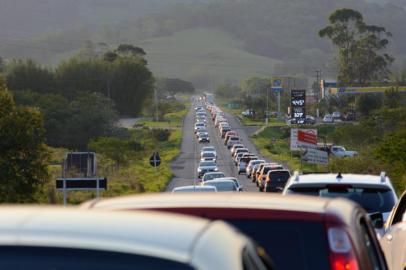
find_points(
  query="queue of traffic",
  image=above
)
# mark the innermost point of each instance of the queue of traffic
(297, 221)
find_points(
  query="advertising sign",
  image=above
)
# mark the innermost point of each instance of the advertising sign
(302, 138)
(314, 156)
(298, 105)
(277, 84)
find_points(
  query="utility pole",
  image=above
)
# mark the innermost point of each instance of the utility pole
(267, 106)
(156, 103)
(318, 75)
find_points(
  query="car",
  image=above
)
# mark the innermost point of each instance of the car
(240, 150)
(310, 120)
(262, 174)
(228, 135)
(212, 175)
(236, 181)
(204, 138)
(336, 115)
(393, 241)
(206, 166)
(223, 185)
(199, 126)
(235, 147)
(208, 149)
(201, 132)
(340, 151)
(299, 232)
(71, 238)
(208, 156)
(247, 156)
(276, 180)
(224, 130)
(255, 172)
(247, 113)
(243, 162)
(328, 118)
(233, 140)
(374, 193)
(250, 166)
(194, 189)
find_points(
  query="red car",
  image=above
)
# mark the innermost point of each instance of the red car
(298, 232)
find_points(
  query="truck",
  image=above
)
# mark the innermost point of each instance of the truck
(340, 151)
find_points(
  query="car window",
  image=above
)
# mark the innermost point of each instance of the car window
(305, 239)
(372, 199)
(212, 176)
(370, 246)
(44, 258)
(223, 186)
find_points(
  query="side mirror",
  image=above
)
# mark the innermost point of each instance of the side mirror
(241, 188)
(377, 220)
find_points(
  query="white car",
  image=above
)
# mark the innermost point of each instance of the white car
(340, 151)
(328, 118)
(235, 147)
(251, 165)
(205, 167)
(233, 140)
(199, 126)
(71, 238)
(208, 156)
(194, 189)
(208, 149)
(374, 193)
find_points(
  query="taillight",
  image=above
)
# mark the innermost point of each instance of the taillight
(342, 255)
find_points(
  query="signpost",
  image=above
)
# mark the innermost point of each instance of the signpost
(155, 160)
(302, 138)
(298, 105)
(277, 88)
(79, 174)
(314, 156)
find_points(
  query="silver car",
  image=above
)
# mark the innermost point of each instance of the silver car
(206, 166)
(194, 189)
(62, 238)
(223, 185)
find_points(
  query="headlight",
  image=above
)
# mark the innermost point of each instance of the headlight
(199, 169)
(216, 169)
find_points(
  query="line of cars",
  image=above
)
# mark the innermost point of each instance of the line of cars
(372, 197)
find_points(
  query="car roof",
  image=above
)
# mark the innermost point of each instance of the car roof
(193, 188)
(331, 178)
(224, 178)
(208, 173)
(248, 200)
(218, 180)
(138, 233)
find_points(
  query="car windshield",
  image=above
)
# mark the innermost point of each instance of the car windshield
(207, 149)
(372, 199)
(223, 186)
(209, 155)
(212, 176)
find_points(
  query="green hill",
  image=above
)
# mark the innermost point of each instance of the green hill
(204, 56)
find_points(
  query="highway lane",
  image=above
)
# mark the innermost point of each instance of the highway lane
(185, 166)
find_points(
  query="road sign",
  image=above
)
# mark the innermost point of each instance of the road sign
(155, 160)
(314, 156)
(298, 105)
(276, 84)
(302, 138)
(81, 183)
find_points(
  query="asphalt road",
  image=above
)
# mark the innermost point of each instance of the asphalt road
(185, 166)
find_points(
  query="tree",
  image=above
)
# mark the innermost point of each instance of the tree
(28, 75)
(23, 159)
(174, 85)
(228, 91)
(360, 47)
(368, 102)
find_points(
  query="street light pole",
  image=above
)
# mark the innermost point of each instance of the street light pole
(267, 106)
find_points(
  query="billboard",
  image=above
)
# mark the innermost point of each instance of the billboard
(314, 156)
(302, 138)
(298, 105)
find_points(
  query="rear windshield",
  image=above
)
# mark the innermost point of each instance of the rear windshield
(223, 186)
(212, 176)
(372, 199)
(283, 240)
(279, 176)
(209, 155)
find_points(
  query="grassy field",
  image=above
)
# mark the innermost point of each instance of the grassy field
(172, 119)
(135, 177)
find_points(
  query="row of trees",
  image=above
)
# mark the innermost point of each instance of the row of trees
(121, 75)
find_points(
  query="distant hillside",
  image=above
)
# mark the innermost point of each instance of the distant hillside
(199, 39)
(205, 56)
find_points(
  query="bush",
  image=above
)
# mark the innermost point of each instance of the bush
(160, 135)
